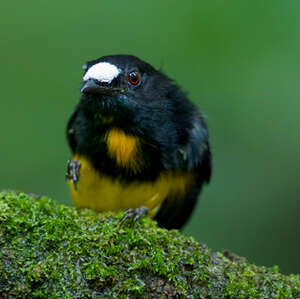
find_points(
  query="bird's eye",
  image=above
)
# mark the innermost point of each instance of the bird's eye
(134, 78)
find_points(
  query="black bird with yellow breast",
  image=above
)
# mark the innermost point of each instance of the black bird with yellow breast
(137, 141)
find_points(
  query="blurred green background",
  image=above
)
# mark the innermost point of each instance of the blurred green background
(239, 61)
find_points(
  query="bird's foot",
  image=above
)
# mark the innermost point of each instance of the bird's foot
(72, 173)
(134, 214)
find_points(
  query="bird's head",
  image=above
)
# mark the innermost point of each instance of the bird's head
(129, 91)
(123, 76)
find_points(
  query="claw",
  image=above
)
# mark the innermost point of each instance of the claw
(134, 214)
(73, 172)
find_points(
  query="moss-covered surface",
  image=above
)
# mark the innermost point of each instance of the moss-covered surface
(48, 250)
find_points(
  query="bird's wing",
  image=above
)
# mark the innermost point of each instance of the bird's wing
(194, 157)
(71, 130)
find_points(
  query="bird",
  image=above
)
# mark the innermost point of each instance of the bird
(138, 143)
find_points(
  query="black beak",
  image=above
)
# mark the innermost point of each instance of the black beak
(93, 87)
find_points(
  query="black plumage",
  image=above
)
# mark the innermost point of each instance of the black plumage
(172, 132)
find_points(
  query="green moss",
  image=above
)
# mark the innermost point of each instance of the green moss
(48, 250)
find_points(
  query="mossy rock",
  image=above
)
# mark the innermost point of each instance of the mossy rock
(48, 250)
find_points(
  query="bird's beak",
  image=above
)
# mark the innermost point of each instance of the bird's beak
(94, 87)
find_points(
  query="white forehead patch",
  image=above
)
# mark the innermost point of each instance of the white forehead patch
(102, 71)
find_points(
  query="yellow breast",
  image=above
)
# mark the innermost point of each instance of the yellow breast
(101, 193)
(124, 149)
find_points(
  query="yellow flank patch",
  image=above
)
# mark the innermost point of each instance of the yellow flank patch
(124, 149)
(101, 193)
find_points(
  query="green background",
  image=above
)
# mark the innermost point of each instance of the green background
(239, 61)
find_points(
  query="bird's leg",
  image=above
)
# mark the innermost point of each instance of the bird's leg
(72, 173)
(134, 214)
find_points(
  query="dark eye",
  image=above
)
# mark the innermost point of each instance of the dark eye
(134, 78)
